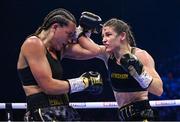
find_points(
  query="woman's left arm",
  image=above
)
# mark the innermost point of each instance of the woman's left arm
(156, 87)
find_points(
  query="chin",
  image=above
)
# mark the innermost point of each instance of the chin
(109, 51)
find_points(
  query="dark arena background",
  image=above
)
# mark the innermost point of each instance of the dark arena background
(156, 27)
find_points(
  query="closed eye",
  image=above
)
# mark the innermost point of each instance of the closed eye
(70, 34)
(108, 34)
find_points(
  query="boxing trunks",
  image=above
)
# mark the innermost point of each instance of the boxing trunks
(41, 107)
(55, 113)
(137, 111)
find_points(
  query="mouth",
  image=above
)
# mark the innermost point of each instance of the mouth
(64, 44)
(106, 45)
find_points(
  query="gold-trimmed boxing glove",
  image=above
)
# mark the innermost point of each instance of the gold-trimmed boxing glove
(88, 81)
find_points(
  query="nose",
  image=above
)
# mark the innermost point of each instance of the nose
(104, 40)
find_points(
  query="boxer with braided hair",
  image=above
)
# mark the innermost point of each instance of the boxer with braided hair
(40, 69)
(131, 70)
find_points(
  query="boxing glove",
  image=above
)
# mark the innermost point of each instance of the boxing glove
(89, 81)
(131, 64)
(88, 23)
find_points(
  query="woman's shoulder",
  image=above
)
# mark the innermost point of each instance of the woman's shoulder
(33, 39)
(32, 43)
(140, 51)
(143, 55)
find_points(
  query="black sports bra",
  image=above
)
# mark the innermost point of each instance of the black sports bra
(27, 78)
(120, 80)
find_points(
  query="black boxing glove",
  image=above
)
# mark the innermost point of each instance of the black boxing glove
(88, 23)
(131, 64)
(89, 81)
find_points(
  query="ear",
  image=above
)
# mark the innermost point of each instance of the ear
(55, 25)
(123, 35)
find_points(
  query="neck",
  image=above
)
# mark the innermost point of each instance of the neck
(45, 37)
(121, 51)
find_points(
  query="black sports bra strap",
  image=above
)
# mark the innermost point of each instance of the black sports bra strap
(133, 50)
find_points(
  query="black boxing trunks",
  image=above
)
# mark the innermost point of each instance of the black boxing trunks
(56, 113)
(42, 107)
(41, 100)
(137, 111)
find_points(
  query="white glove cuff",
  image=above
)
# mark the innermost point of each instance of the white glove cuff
(76, 85)
(79, 31)
(88, 34)
(144, 79)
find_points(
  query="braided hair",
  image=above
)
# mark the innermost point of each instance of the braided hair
(60, 16)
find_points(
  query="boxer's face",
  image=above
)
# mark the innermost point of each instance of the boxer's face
(110, 39)
(63, 34)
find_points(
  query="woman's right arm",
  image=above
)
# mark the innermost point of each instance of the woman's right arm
(34, 53)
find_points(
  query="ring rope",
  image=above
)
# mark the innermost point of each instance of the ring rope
(92, 105)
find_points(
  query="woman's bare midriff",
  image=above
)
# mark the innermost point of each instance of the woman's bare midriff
(124, 98)
(32, 89)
